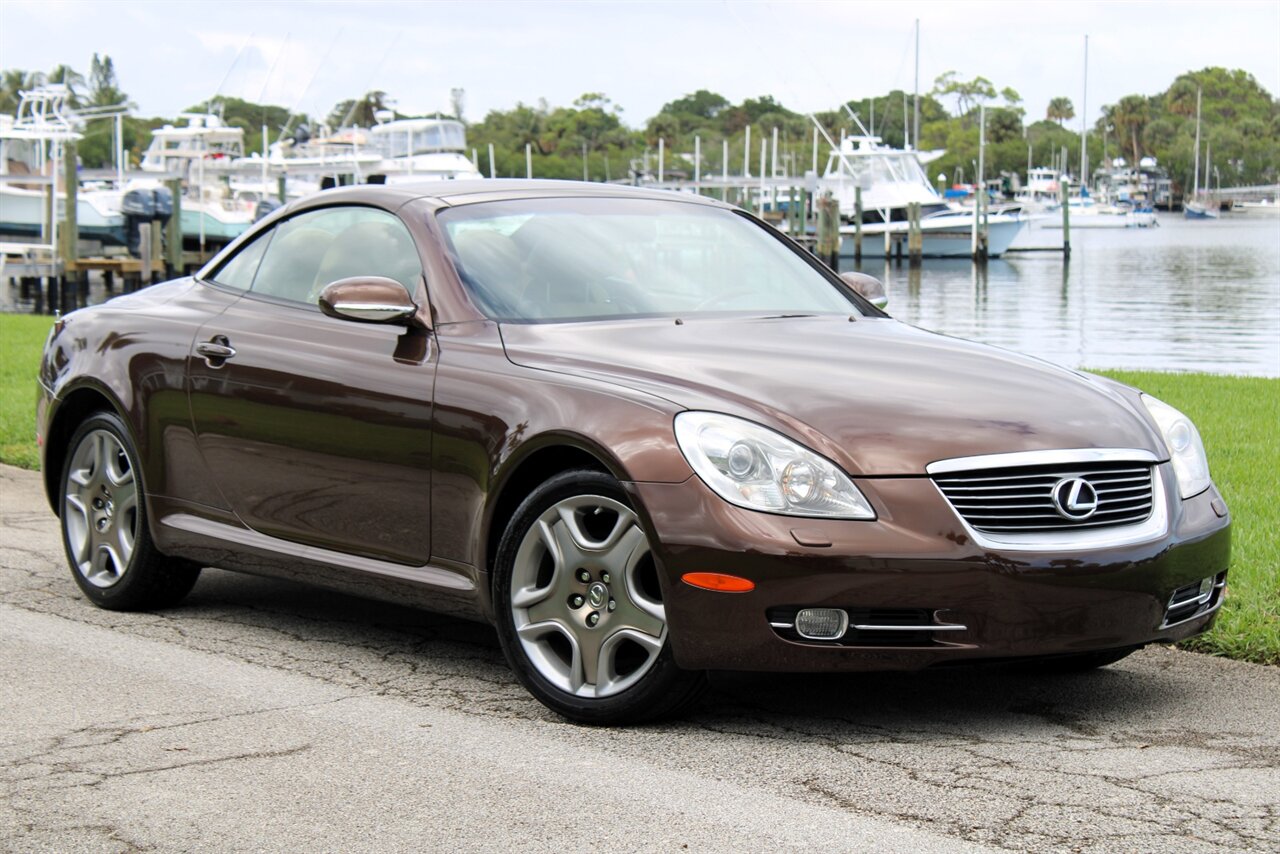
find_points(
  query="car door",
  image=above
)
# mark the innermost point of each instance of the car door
(318, 429)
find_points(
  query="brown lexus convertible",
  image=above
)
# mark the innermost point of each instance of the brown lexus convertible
(641, 433)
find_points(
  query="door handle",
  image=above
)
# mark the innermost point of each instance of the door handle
(216, 351)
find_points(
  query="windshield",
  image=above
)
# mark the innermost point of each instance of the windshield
(546, 260)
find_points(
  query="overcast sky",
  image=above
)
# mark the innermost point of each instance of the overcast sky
(808, 55)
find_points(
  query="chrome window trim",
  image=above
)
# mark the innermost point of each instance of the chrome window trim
(1153, 527)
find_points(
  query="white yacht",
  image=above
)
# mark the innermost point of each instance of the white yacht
(1264, 208)
(890, 180)
(1087, 212)
(1146, 186)
(391, 152)
(421, 150)
(308, 164)
(1042, 191)
(28, 141)
(203, 153)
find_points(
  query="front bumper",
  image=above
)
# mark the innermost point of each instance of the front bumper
(916, 558)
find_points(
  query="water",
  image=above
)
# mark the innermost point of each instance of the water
(1187, 296)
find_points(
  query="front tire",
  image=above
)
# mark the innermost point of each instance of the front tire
(579, 606)
(104, 524)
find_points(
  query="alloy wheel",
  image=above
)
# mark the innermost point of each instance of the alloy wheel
(585, 600)
(100, 508)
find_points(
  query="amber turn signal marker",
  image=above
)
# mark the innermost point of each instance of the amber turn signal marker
(718, 581)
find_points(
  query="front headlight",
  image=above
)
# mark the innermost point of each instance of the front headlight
(1186, 451)
(754, 467)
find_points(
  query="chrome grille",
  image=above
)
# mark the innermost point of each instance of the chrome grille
(1020, 499)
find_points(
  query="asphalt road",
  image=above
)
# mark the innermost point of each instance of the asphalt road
(268, 716)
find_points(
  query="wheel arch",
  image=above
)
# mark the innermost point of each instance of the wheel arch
(537, 462)
(73, 408)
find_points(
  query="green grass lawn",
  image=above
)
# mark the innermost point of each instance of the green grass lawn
(1237, 416)
(21, 339)
(1239, 420)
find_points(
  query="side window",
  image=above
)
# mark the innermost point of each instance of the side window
(239, 270)
(313, 249)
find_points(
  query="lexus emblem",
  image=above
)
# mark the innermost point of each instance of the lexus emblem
(1075, 498)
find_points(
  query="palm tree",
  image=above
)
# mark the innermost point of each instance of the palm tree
(1060, 109)
(12, 82)
(72, 79)
(1181, 97)
(1130, 117)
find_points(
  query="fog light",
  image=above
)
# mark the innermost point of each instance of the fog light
(822, 623)
(1206, 586)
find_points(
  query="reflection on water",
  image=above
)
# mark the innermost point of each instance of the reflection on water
(1188, 296)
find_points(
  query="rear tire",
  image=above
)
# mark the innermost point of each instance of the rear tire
(103, 516)
(579, 606)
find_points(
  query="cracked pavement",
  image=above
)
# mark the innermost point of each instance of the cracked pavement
(265, 715)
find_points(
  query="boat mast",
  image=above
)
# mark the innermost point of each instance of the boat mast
(915, 129)
(1208, 168)
(1084, 121)
(906, 128)
(1195, 186)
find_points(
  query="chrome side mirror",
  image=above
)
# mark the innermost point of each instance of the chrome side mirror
(368, 299)
(869, 287)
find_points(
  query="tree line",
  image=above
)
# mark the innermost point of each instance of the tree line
(1240, 125)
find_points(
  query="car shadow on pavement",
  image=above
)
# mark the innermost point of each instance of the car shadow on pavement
(400, 649)
(977, 700)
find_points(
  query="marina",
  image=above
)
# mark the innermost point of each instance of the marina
(1208, 295)
(1182, 297)
(992, 257)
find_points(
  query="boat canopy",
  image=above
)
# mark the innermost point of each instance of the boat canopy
(409, 137)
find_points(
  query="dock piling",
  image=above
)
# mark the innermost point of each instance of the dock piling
(915, 236)
(173, 231)
(857, 223)
(156, 264)
(828, 244)
(69, 234)
(984, 226)
(144, 253)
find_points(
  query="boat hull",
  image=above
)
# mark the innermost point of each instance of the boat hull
(943, 237)
(1191, 210)
(1132, 219)
(216, 229)
(1257, 209)
(22, 214)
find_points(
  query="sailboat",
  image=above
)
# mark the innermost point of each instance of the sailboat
(1195, 208)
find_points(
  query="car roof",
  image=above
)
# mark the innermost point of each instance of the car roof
(442, 194)
(449, 193)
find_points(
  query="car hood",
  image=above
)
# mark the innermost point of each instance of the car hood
(876, 396)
